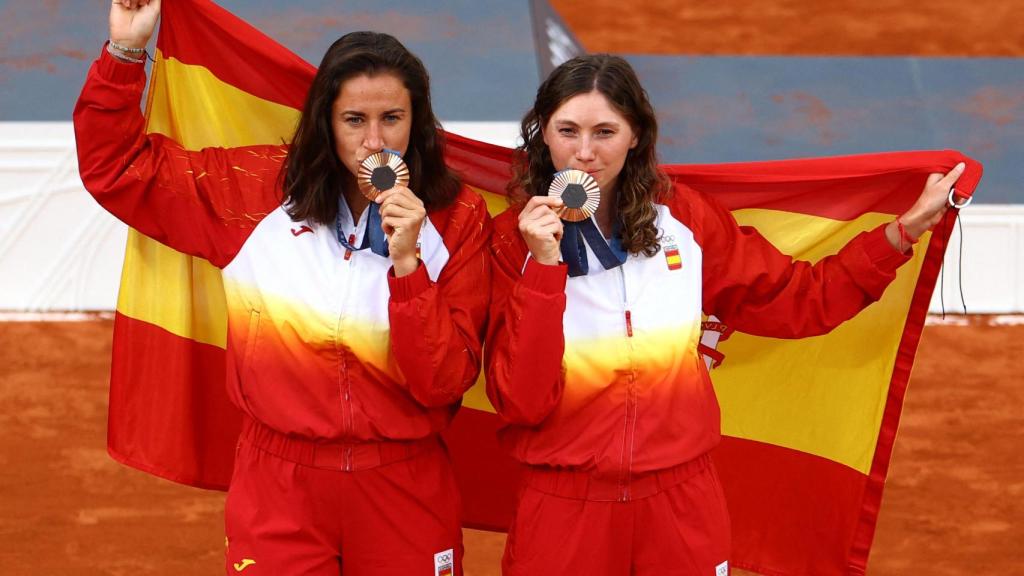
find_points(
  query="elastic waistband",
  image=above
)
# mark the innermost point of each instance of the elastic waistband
(343, 456)
(580, 485)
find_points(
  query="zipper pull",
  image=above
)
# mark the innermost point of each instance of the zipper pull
(629, 324)
(351, 242)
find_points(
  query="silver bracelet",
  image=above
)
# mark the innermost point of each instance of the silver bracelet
(124, 57)
(125, 49)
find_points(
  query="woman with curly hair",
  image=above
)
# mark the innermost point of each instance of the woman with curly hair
(592, 355)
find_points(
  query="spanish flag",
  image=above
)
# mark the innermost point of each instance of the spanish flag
(808, 424)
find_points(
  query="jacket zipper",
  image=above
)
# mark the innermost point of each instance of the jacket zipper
(625, 473)
(351, 242)
(346, 383)
(625, 304)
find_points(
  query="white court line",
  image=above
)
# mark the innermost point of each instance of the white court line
(54, 316)
(975, 320)
(931, 320)
(949, 320)
(1007, 320)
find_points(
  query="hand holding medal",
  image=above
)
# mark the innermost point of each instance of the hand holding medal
(384, 178)
(573, 197)
(580, 196)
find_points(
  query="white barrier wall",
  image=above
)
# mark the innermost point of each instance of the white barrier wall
(59, 251)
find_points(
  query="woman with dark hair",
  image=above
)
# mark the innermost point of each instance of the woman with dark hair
(354, 325)
(592, 343)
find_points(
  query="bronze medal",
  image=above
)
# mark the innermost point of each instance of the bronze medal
(579, 192)
(382, 171)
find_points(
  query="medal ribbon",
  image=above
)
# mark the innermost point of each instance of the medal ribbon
(374, 237)
(574, 251)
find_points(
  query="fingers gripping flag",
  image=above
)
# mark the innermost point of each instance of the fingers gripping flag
(806, 445)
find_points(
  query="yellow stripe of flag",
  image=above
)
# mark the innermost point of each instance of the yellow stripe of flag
(189, 299)
(192, 106)
(832, 389)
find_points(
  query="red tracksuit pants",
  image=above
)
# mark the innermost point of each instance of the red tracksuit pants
(662, 523)
(292, 510)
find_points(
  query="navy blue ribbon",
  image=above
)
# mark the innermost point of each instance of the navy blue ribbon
(374, 237)
(575, 238)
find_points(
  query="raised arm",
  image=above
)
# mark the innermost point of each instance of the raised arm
(755, 288)
(201, 203)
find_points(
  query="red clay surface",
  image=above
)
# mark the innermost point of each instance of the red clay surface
(953, 504)
(798, 27)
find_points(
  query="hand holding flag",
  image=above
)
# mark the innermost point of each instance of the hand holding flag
(132, 22)
(932, 205)
(926, 212)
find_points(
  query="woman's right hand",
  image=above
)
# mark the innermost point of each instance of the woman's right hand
(542, 228)
(132, 21)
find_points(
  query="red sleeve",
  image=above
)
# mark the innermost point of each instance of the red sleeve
(437, 328)
(756, 289)
(525, 339)
(200, 203)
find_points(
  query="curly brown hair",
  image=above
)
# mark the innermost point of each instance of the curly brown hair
(313, 176)
(642, 182)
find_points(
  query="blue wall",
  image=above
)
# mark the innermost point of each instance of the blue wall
(731, 109)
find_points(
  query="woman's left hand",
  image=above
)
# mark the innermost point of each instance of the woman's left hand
(928, 210)
(402, 215)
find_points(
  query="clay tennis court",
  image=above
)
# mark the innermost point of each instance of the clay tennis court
(955, 496)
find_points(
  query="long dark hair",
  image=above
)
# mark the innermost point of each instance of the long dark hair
(641, 183)
(313, 176)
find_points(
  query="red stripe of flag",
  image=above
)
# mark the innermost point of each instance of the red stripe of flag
(841, 187)
(151, 396)
(204, 34)
(487, 476)
(786, 511)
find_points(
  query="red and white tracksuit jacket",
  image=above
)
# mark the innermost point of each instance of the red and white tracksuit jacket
(600, 373)
(321, 344)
